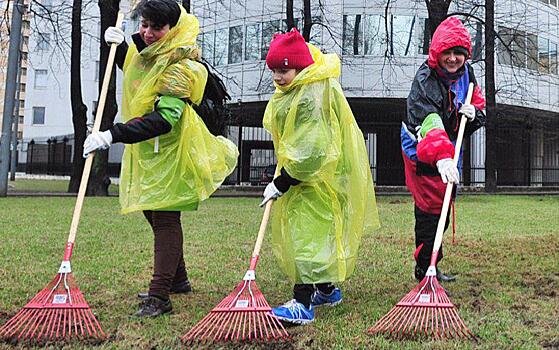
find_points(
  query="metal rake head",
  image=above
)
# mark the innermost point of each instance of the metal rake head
(425, 311)
(58, 312)
(244, 315)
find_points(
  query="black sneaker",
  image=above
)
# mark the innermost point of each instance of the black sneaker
(153, 307)
(419, 274)
(179, 288)
(442, 277)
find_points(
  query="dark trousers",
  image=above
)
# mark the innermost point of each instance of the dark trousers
(168, 260)
(303, 292)
(425, 231)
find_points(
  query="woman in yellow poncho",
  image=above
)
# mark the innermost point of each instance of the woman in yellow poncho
(171, 161)
(323, 176)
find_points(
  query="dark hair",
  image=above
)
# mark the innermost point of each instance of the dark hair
(160, 12)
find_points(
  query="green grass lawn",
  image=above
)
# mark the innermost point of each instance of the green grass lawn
(46, 186)
(506, 258)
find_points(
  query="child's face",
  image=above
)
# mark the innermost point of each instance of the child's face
(451, 60)
(150, 33)
(283, 76)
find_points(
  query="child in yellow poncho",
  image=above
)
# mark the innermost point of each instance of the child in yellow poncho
(171, 162)
(323, 176)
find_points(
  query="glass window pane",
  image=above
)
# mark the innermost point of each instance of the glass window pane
(41, 78)
(504, 54)
(208, 47)
(352, 36)
(543, 55)
(316, 31)
(374, 35)
(252, 42)
(235, 44)
(423, 37)
(221, 41)
(268, 30)
(532, 51)
(402, 35)
(519, 49)
(553, 58)
(38, 115)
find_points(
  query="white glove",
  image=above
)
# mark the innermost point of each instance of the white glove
(97, 141)
(270, 192)
(469, 111)
(114, 35)
(448, 171)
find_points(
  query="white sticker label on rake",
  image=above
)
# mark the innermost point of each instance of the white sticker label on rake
(59, 299)
(241, 303)
(424, 298)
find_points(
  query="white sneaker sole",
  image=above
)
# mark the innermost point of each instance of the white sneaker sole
(329, 304)
(296, 321)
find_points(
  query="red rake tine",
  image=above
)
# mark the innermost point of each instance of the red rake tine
(53, 313)
(244, 314)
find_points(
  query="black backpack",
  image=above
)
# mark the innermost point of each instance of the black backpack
(213, 109)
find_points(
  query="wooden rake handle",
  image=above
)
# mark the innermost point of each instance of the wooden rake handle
(450, 186)
(262, 230)
(96, 126)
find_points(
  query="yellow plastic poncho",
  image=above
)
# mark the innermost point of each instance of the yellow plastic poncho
(177, 170)
(317, 225)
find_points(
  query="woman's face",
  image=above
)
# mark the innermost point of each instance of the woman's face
(284, 77)
(451, 60)
(150, 33)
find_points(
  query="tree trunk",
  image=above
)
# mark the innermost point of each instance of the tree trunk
(79, 109)
(491, 105)
(289, 15)
(437, 11)
(186, 5)
(356, 43)
(99, 181)
(307, 20)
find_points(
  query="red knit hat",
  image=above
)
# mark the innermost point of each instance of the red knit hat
(288, 51)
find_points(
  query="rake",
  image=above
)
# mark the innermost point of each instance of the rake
(427, 309)
(244, 315)
(60, 311)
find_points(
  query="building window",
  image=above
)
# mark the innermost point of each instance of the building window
(352, 35)
(43, 41)
(552, 58)
(221, 41)
(543, 55)
(23, 71)
(235, 44)
(22, 87)
(20, 135)
(476, 33)
(374, 35)
(519, 49)
(38, 115)
(20, 119)
(402, 34)
(21, 104)
(252, 42)
(41, 78)
(532, 51)
(208, 47)
(268, 30)
(503, 52)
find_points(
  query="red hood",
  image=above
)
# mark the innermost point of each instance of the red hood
(451, 32)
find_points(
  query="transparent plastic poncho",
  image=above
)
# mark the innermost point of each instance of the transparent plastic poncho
(317, 225)
(179, 169)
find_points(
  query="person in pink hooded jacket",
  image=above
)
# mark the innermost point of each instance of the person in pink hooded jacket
(434, 105)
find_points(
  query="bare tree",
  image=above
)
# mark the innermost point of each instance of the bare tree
(99, 182)
(79, 109)
(491, 105)
(290, 19)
